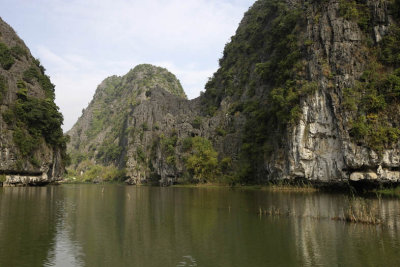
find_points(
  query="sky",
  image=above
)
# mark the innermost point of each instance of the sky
(82, 42)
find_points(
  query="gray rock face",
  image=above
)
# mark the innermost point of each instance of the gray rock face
(318, 147)
(47, 158)
(133, 114)
(166, 116)
(21, 180)
(315, 149)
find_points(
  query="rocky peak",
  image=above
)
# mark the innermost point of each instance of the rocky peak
(151, 77)
(121, 107)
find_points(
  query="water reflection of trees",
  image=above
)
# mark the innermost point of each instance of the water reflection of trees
(27, 225)
(321, 241)
(136, 226)
(115, 225)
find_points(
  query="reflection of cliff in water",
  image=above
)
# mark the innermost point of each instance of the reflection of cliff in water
(28, 219)
(318, 237)
(133, 226)
(115, 225)
(221, 227)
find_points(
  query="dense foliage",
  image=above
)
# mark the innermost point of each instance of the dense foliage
(34, 119)
(102, 115)
(18, 52)
(90, 172)
(257, 53)
(374, 100)
(168, 145)
(356, 10)
(36, 73)
(202, 161)
(3, 87)
(155, 77)
(264, 55)
(262, 73)
(196, 123)
(6, 58)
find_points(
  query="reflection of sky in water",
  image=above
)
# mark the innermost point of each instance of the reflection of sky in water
(84, 225)
(187, 261)
(66, 253)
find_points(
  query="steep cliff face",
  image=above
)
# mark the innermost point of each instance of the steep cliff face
(305, 89)
(32, 145)
(321, 145)
(318, 90)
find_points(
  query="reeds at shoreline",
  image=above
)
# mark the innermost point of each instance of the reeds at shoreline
(360, 211)
(357, 210)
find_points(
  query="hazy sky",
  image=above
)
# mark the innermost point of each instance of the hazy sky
(81, 42)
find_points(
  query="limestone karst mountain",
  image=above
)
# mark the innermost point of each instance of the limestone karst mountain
(125, 119)
(32, 144)
(305, 89)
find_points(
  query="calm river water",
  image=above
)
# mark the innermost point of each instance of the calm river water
(117, 225)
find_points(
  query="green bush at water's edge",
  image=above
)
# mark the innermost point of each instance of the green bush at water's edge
(89, 172)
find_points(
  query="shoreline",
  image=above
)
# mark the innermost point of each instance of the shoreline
(349, 188)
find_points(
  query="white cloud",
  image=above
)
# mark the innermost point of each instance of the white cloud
(55, 60)
(163, 24)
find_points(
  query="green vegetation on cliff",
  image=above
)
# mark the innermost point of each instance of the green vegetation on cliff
(6, 58)
(322, 62)
(106, 129)
(37, 73)
(373, 102)
(264, 75)
(257, 53)
(356, 10)
(203, 164)
(3, 87)
(9, 55)
(156, 77)
(168, 145)
(31, 132)
(32, 119)
(202, 161)
(265, 54)
(88, 172)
